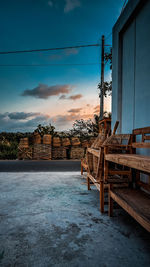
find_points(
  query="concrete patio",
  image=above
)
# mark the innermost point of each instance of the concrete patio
(50, 219)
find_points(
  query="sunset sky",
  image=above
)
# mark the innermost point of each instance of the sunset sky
(57, 94)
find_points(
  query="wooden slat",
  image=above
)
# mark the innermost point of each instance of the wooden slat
(119, 172)
(145, 130)
(118, 146)
(115, 127)
(146, 137)
(99, 165)
(138, 162)
(141, 145)
(144, 186)
(94, 181)
(93, 151)
(135, 202)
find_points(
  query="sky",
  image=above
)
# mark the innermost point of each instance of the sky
(57, 93)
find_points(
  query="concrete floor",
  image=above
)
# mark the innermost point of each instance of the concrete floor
(50, 219)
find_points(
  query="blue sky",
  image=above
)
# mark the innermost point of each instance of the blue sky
(68, 92)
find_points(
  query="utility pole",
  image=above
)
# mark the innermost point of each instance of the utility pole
(102, 80)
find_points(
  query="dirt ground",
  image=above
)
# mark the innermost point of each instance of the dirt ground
(50, 219)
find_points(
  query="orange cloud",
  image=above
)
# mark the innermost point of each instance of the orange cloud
(75, 110)
(72, 97)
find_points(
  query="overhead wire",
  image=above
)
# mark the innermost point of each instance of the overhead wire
(49, 49)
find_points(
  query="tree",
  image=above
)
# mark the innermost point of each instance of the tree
(107, 85)
(84, 128)
(49, 129)
(107, 88)
(108, 58)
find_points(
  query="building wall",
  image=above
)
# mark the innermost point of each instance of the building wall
(131, 67)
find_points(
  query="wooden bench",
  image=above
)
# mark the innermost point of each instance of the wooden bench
(135, 200)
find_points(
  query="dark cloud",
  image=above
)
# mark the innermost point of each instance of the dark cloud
(44, 91)
(72, 97)
(3, 115)
(75, 97)
(75, 110)
(21, 115)
(41, 119)
(62, 97)
(22, 125)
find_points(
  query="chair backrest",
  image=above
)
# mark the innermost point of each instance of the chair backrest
(120, 139)
(99, 141)
(144, 133)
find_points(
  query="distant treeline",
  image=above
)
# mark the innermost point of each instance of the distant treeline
(9, 144)
(81, 128)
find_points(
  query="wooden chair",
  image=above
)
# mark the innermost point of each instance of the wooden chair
(120, 143)
(99, 140)
(96, 165)
(96, 145)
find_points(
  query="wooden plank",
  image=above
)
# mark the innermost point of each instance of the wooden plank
(94, 152)
(141, 145)
(138, 162)
(135, 202)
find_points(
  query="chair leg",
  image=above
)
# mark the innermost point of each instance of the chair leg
(81, 169)
(110, 202)
(105, 165)
(102, 196)
(88, 183)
